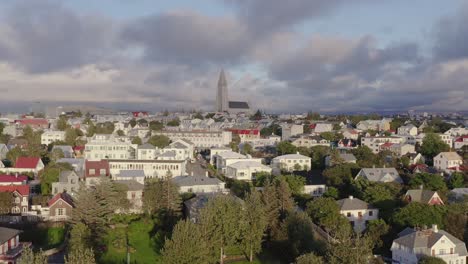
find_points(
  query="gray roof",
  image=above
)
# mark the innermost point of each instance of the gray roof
(64, 175)
(131, 173)
(420, 196)
(146, 146)
(423, 240)
(347, 157)
(195, 180)
(178, 145)
(380, 174)
(132, 185)
(238, 105)
(353, 204)
(7, 233)
(64, 148)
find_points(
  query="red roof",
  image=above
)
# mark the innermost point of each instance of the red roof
(138, 114)
(26, 163)
(23, 190)
(96, 166)
(64, 196)
(78, 148)
(13, 178)
(386, 145)
(245, 131)
(312, 126)
(33, 122)
(460, 139)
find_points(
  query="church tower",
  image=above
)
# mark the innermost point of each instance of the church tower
(222, 103)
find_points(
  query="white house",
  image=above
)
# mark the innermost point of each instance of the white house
(323, 127)
(3, 151)
(412, 244)
(51, 136)
(226, 158)
(182, 148)
(357, 212)
(378, 125)
(199, 184)
(398, 149)
(134, 195)
(291, 162)
(408, 130)
(290, 130)
(245, 169)
(309, 141)
(350, 134)
(203, 139)
(460, 142)
(379, 175)
(103, 146)
(68, 182)
(152, 168)
(374, 143)
(146, 152)
(130, 175)
(446, 161)
(457, 131)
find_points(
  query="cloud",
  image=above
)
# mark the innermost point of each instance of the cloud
(45, 36)
(451, 36)
(188, 38)
(266, 16)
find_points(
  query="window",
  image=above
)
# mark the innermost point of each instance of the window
(60, 211)
(371, 213)
(348, 214)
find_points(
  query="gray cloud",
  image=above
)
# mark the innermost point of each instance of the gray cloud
(45, 36)
(451, 36)
(188, 38)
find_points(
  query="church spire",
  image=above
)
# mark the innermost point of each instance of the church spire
(222, 96)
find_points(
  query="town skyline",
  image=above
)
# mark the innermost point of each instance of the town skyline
(315, 55)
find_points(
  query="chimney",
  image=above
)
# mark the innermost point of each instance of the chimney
(351, 197)
(421, 187)
(373, 166)
(16, 175)
(435, 229)
(384, 165)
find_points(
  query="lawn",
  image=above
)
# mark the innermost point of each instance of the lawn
(42, 236)
(142, 248)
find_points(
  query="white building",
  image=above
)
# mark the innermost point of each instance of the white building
(374, 142)
(201, 139)
(291, 162)
(146, 152)
(460, 142)
(199, 184)
(51, 136)
(134, 195)
(357, 212)
(102, 146)
(323, 127)
(413, 244)
(310, 141)
(290, 130)
(152, 168)
(408, 130)
(130, 175)
(245, 170)
(226, 158)
(378, 125)
(398, 149)
(446, 161)
(457, 131)
(182, 148)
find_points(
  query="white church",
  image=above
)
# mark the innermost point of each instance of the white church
(222, 102)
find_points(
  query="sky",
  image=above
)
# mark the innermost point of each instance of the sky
(280, 56)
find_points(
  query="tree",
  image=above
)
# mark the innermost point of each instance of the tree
(331, 136)
(95, 206)
(375, 192)
(56, 154)
(285, 147)
(432, 145)
(62, 123)
(137, 140)
(91, 129)
(133, 122)
(376, 229)
(14, 154)
(331, 192)
(174, 122)
(80, 255)
(161, 194)
(429, 181)
(159, 141)
(187, 245)
(257, 116)
(220, 222)
(156, 125)
(80, 236)
(296, 183)
(247, 148)
(29, 257)
(71, 134)
(325, 212)
(457, 180)
(120, 133)
(318, 156)
(365, 158)
(347, 247)
(419, 214)
(313, 116)
(431, 260)
(6, 202)
(340, 175)
(309, 258)
(254, 224)
(300, 234)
